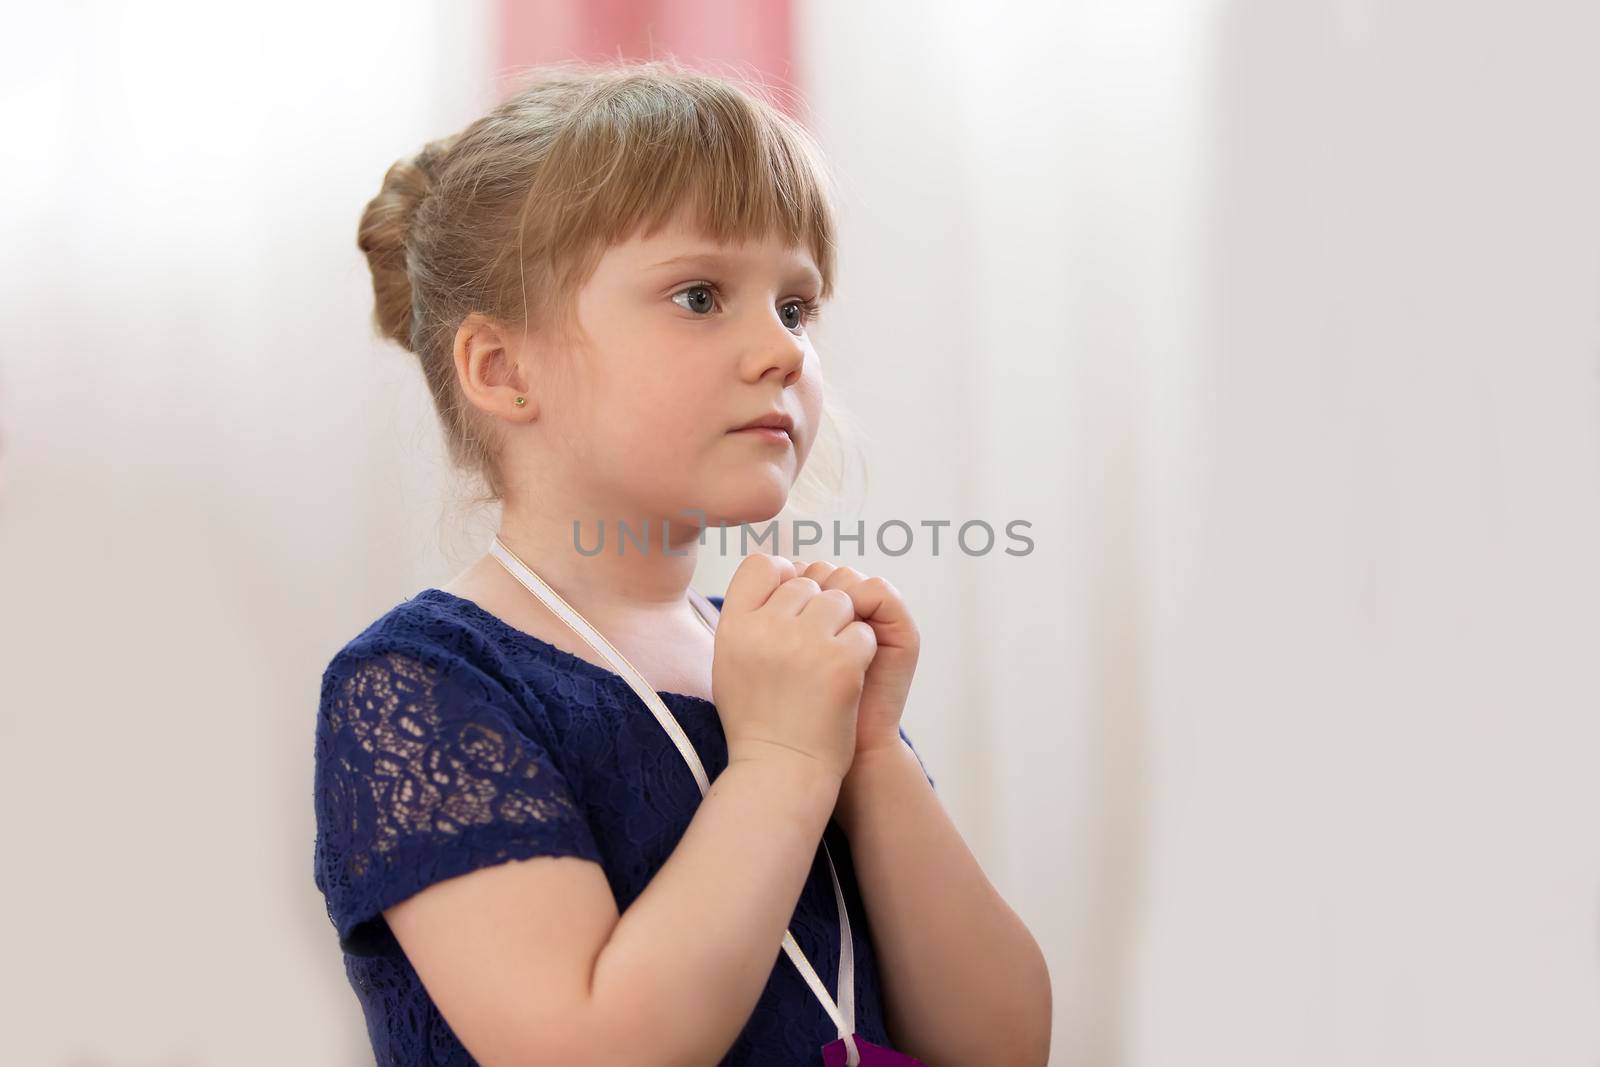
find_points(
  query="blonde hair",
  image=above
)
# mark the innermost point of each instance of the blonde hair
(510, 216)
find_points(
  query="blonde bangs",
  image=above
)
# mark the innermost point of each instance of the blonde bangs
(640, 149)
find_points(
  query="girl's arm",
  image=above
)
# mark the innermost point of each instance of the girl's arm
(964, 981)
(530, 963)
(693, 953)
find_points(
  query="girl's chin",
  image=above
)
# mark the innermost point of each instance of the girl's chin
(752, 506)
(751, 515)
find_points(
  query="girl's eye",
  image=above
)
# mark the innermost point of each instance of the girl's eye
(695, 289)
(702, 297)
(809, 310)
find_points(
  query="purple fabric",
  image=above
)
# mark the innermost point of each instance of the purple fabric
(834, 1054)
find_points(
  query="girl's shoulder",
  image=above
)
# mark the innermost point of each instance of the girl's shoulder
(449, 636)
(457, 641)
(436, 640)
(426, 626)
(450, 623)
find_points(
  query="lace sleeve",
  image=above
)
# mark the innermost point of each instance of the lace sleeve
(907, 739)
(426, 769)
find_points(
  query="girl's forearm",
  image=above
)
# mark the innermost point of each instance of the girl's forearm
(964, 980)
(687, 961)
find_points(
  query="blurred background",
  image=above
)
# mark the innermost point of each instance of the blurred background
(1279, 322)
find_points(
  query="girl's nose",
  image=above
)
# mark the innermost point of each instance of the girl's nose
(784, 356)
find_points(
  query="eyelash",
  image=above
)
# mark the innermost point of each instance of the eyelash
(812, 308)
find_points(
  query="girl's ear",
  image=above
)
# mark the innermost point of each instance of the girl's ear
(493, 366)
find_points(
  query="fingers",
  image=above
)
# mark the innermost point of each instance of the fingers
(830, 609)
(803, 595)
(793, 595)
(825, 574)
(863, 639)
(875, 598)
(757, 577)
(878, 601)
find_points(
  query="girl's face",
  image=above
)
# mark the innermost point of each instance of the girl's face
(687, 341)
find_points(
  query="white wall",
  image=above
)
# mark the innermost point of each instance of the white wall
(1374, 593)
(213, 475)
(1280, 322)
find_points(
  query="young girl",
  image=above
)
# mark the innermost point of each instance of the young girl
(569, 811)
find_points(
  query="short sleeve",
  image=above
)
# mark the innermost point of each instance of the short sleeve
(907, 739)
(426, 769)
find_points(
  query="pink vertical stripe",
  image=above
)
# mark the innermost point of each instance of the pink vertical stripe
(752, 37)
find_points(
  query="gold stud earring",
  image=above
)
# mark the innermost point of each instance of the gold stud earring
(521, 400)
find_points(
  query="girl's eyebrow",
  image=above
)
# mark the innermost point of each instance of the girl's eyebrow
(722, 259)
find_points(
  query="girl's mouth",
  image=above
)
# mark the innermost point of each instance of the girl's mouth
(767, 433)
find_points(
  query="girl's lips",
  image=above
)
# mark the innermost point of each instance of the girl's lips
(766, 433)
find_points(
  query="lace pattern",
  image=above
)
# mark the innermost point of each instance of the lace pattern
(423, 774)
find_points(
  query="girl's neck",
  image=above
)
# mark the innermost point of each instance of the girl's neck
(630, 575)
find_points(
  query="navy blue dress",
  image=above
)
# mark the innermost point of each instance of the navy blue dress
(448, 740)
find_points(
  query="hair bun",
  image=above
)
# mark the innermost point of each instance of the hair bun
(385, 227)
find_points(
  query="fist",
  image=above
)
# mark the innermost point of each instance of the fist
(888, 678)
